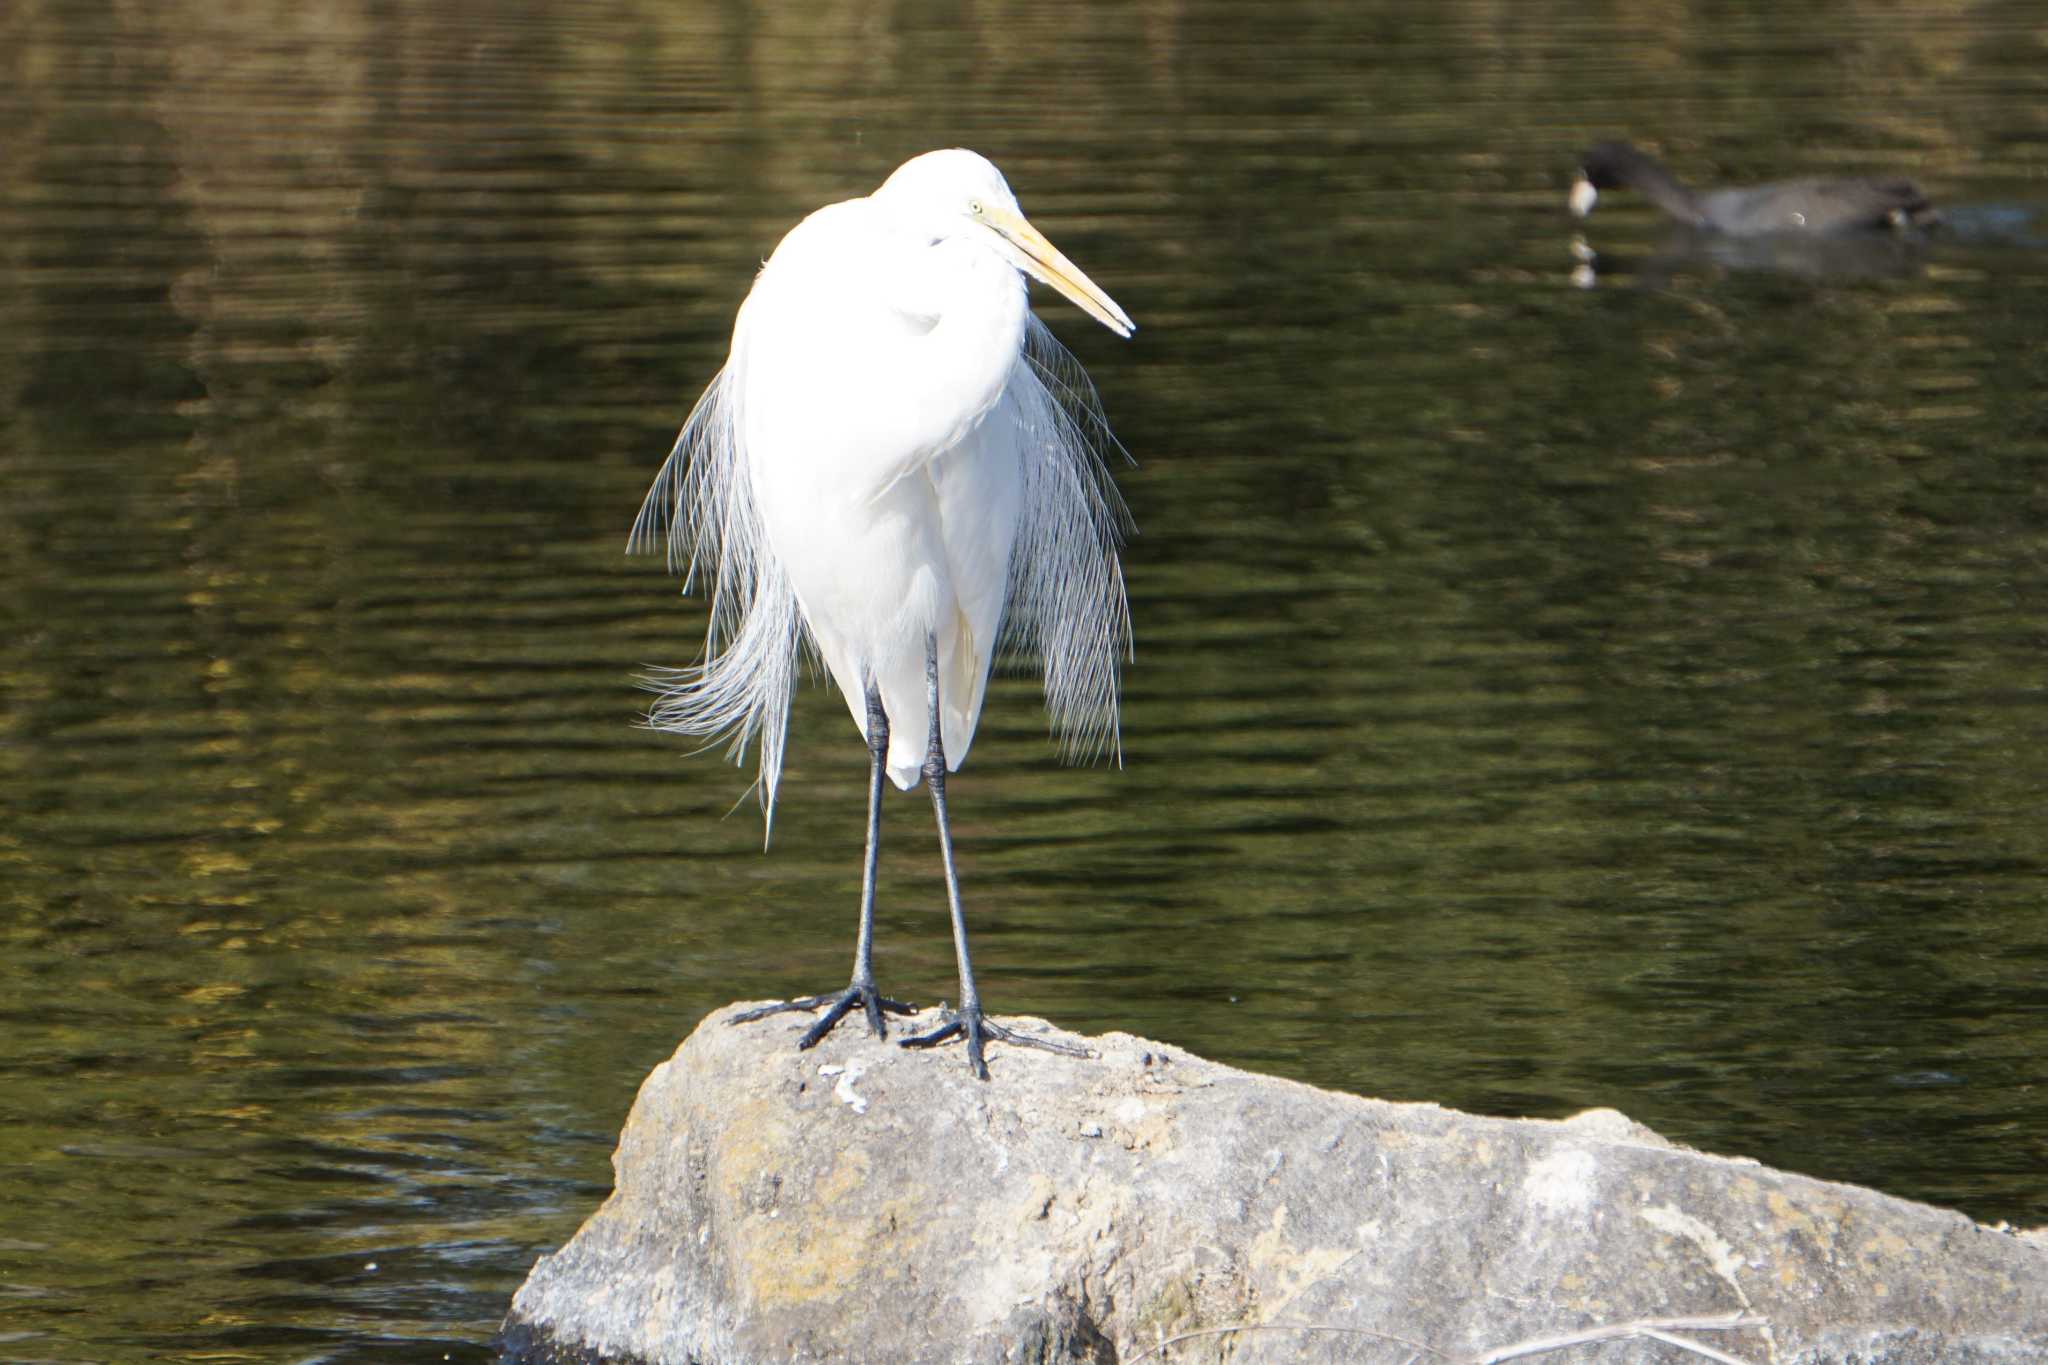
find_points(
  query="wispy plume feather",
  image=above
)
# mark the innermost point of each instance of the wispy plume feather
(1067, 611)
(701, 509)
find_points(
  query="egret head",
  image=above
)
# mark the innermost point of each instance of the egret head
(958, 193)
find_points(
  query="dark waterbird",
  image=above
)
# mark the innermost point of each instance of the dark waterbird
(1785, 206)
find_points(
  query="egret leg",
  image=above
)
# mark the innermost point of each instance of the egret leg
(862, 991)
(968, 1019)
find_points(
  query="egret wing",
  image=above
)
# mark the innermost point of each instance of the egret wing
(978, 488)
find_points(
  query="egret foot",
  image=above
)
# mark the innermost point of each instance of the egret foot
(841, 1004)
(977, 1028)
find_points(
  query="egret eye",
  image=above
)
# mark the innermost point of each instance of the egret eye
(974, 208)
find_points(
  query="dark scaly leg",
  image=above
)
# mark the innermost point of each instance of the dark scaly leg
(862, 991)
(967, 1020)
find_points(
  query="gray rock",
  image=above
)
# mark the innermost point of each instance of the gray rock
(860, 1202)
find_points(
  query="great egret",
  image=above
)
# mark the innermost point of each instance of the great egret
(900, 472)
(1787, 206)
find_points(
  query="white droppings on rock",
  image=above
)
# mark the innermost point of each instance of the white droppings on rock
(1562, 1182)
(1666, 1218)
(844, 1091)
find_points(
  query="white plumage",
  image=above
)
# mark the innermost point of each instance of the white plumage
(899, 465)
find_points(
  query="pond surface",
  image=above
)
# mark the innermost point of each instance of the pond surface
(1545, 696)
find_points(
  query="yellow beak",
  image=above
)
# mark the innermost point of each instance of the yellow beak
(1042, 260)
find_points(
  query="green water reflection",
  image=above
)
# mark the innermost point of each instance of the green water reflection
(1544, 698)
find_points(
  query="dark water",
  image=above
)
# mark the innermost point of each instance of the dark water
(1545, 697)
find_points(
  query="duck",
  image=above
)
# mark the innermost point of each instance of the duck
(1786, 206)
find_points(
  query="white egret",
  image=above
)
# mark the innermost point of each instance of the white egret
(899, 472)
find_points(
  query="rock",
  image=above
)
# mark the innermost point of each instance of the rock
(861, 1202)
